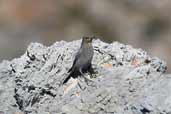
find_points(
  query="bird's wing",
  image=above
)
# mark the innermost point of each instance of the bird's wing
(75, 60)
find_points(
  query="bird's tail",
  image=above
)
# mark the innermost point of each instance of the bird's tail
(70, 70)
(67, 78)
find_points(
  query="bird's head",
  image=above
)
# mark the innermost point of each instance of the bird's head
(87, 39)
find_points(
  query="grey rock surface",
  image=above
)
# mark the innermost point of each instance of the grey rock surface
(128, 81)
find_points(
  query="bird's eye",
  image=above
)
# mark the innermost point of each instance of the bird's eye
(87, 38)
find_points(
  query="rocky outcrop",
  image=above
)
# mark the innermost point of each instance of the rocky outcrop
(128, 81)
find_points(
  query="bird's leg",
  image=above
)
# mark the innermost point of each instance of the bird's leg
(82, 88)
(91, 71)
(85, 78)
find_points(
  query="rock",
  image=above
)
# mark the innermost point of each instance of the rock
(128, 81)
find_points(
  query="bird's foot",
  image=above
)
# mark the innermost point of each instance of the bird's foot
(88, 81)
(93, 74)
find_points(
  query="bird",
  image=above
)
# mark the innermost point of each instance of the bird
(82, 62)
